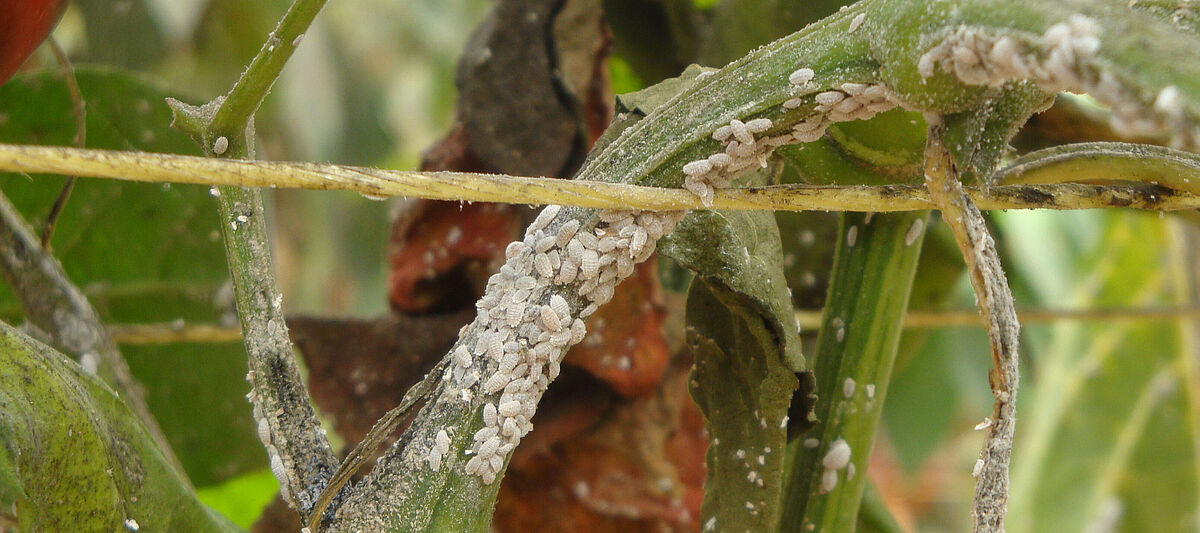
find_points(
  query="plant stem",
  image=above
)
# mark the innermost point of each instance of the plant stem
(999, 314)
(874, 266)
(164, 168)
(80, 141)
(237, 108)
(301, 456)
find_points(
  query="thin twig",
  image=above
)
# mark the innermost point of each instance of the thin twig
(168, 333)
(999, 313)
(80, 140)
(59, 310)
(810, 319)
(157, 168)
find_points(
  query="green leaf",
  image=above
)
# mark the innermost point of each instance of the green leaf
(243, 498)
(741, 250)
(747, 350)
(82, 460)
(744, 390)
(1108, 437)
(142, 253)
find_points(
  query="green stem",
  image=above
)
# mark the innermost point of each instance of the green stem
(873, 270)
(237, 109)
(301, 456)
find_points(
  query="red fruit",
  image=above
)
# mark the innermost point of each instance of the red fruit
(23, 26)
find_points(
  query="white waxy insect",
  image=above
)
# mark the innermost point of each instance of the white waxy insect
(510, 408)
(602, 294)
(462, 357)
(607, 244)
(638, 241)
(541, 263)
(559, 305)
(588, 239)
(481, 342)
(568, 272)
(828, 481)
(717, 160)
(495, 383)
(543, 219)
(473, 465)
(435, 460)
(698, 167)
(575, 248)
(740, 150)
(1169, 101)
(838, 455)
(851, 235)
(613, 215)
(525, 283)
(848, 387)
(589, 264)
(496, 462)
(856, 22)
(264, 431)
(519, 295)
(846, 108)
(854, 89)
(914, 232)
(589, 310)
(495, 348)
(578, 331)
(811, 443)
(468, 380)
(514, 314)
(220, 145)
(509, 362)
(758, 125)
(829, 98)
(566, 232)
(801, 76)
(488, 448)
(277, 466)
(489, 417)
(514, 249)
(740, 132)
(555, 259)
(870, 391)
(722, 133)
(793, 103)
(543, 244)
(511, 428)
(521, 369)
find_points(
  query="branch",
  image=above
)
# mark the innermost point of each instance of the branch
(810, 319)
(169, 333)
(999, 313)
(80, 141)
(61, 312)
(461, 186)
(300, 454)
